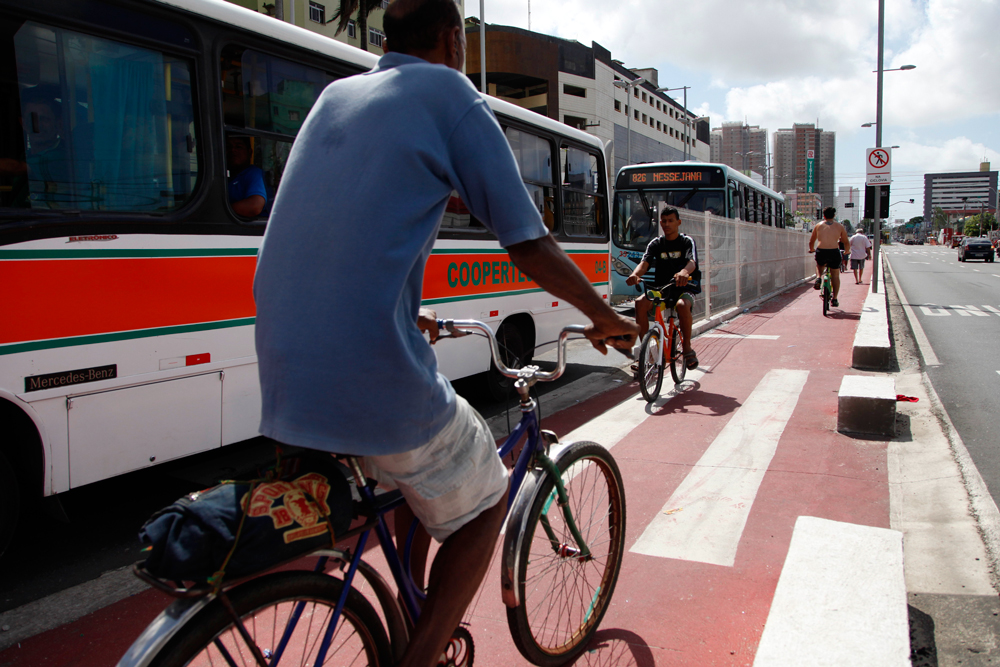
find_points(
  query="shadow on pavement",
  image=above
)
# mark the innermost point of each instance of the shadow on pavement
(691, 398)
(617, 647)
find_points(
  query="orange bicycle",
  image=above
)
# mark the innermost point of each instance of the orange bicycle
(664, 332)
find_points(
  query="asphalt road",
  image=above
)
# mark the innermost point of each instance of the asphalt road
(957, 304)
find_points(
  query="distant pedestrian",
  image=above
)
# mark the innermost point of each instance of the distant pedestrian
(861, 249)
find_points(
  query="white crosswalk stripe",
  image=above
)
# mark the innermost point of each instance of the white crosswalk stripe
(704, 519)
(932, 310)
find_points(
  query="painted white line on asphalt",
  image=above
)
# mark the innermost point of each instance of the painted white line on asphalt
(975, 311)
(992, 310)
(744, 336)
(933, 311)
(841, 595)
(926, 351)
(704, 519)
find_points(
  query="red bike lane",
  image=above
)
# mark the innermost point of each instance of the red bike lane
(679, 607)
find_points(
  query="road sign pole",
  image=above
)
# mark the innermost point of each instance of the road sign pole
(878, 237)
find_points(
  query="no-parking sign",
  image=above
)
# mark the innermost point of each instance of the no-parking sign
(878, 162)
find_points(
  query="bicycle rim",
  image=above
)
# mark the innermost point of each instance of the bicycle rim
(826, 298)
(564, 597)
(267, 607)
(650, 366)
(678, 364)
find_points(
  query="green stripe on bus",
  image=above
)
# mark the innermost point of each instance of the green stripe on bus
(472, 297)
(94, 339)
(120, 253)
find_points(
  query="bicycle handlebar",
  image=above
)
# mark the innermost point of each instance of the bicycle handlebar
(458, 328)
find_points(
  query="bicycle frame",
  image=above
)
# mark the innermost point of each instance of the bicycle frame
(533, 455)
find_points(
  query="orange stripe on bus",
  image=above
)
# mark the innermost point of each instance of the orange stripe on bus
(46, 299)
(457, 275)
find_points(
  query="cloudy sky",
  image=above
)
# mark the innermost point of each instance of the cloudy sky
(776, 62)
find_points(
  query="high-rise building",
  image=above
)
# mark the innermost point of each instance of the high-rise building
(849, 204)
(793, 150)
(742, 147)
(960, 193)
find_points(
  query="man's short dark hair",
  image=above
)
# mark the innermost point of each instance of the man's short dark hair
(670, 210)
(829, 213)
(416, 25)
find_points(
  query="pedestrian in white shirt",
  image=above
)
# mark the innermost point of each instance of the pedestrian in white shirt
(861, 249)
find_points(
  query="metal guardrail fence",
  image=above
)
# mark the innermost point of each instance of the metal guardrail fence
(743, 260)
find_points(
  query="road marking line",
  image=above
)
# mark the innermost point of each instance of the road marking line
(933, 311)
(992, 310)
(719, 491)
(744, 336)
(926, 351)
(975, 311)
(964, 310)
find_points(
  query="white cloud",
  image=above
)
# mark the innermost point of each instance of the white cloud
(958, 154)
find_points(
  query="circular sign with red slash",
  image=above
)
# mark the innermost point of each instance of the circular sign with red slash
(879, 158)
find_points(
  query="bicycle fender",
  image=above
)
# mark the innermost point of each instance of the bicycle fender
(517, 523)
(162, 629)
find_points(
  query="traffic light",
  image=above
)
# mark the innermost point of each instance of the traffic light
(870, 202)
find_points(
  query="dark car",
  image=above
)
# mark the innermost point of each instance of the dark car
(975, 249)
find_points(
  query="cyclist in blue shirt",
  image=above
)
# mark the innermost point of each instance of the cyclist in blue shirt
(343, 362)
(247, 194)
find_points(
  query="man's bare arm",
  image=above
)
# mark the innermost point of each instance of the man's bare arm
(812, 238)
(555, 272)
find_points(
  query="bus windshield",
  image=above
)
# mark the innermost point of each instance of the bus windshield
(637, 212)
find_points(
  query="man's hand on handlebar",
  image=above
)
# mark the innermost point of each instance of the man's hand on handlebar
(632, 279)
(616, 331)
(427, 321)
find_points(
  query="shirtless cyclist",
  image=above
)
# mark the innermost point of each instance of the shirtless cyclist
(826, 238)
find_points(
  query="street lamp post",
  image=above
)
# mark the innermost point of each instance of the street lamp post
(628, 87)
(878, 135)
(687, 118)
(745, 156)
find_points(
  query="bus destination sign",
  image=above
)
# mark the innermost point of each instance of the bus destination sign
(670, 177)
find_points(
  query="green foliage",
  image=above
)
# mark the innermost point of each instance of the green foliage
(979, 224)
(916, 220)
(346, 9)
(848, 226)
(939, 218)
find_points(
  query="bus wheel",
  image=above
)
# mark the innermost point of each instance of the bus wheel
(514, 352)
(10, 503)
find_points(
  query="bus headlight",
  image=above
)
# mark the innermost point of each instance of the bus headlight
(621, 268)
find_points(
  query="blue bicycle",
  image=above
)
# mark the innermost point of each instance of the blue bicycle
(561, 554)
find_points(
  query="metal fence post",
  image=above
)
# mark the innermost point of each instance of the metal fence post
(739, 268)
(706, 274)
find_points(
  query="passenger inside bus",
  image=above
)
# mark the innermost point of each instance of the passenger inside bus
(640, 230)
(247, 194)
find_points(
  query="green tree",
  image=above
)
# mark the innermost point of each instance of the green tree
(979, 224)
(939, 218)
(916, 221)
(347, 8)
(972, 226)
(848, 226)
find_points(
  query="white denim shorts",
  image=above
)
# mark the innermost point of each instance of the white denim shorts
(452, 479)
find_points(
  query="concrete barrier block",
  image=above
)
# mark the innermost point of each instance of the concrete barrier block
(872, 349)
(867, 404)
(840, 600)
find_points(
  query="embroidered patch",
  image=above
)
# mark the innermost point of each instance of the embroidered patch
(295, 507)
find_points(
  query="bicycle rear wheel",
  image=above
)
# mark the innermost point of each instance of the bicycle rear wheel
(266, 606)
(678, 364)
(826, 296)
(563, 597)
(650, 366)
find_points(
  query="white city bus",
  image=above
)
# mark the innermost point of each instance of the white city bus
(126, 335)
(642, 191)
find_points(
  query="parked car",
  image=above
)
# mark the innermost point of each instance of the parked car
(975, 248)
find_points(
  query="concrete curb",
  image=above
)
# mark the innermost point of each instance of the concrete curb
(867, 404)
(872, 349)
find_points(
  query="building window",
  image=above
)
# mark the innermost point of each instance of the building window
(618, 106)
(671, 132)
(635, 91)
(576, 121)
(657, 125)
(643, 119)
(352, 29)
(375, 37)
(644, 97)
(636, 114)
(575, 91)
(658, 105)
(317, 12)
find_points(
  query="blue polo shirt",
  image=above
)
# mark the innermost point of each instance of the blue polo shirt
(342, 364)
(247, 183)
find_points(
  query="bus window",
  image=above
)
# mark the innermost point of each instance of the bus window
(97, 125)
(735, 201)
(582, 204)
(262, 94)
(534, 160)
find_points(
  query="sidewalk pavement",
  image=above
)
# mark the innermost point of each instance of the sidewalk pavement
(757, 533)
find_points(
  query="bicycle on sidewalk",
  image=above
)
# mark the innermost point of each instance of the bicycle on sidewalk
(560, 559)
(662, 343)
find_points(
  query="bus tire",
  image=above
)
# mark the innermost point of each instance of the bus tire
(515, 352)
(10, 503)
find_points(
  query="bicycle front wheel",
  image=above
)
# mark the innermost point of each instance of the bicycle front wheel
(286, 615)
(563, 596)
(678, 364)
(650, 366)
